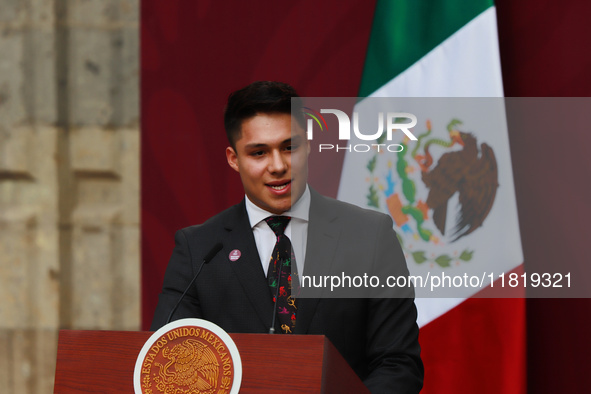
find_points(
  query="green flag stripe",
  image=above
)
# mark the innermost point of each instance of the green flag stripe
(403, 31)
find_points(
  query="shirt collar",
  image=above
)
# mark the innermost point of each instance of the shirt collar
(299, 210)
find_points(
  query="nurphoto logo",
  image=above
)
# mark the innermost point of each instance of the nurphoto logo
(386, 125)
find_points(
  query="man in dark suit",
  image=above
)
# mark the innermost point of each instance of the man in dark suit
(377, 336)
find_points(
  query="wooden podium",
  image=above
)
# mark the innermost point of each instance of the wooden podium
(104, 361)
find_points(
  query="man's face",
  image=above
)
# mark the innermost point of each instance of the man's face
(271, 160)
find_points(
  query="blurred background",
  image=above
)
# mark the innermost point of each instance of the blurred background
(71, 148)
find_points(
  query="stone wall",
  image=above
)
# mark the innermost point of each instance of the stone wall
(69, 178)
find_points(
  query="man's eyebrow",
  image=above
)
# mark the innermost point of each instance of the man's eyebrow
(254, 145)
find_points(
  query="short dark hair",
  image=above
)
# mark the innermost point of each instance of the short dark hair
(265, 97)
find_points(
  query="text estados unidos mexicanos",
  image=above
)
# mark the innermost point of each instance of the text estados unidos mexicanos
(441, 280)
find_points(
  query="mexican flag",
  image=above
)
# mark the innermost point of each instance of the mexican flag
(448, 49)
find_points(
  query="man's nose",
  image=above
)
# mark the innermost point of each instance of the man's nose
(278, 163)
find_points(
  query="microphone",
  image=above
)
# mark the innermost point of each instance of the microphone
(272, 329)
(216, 248)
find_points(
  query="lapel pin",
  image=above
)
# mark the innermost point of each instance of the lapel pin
(234, 255)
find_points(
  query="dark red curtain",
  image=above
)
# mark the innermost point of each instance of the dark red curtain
(544, 54)
(193, 53)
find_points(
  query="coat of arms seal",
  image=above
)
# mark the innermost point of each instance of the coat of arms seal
(188, 356)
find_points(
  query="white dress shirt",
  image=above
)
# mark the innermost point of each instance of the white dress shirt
(296, 230)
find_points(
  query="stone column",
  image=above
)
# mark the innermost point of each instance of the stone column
(69, 178)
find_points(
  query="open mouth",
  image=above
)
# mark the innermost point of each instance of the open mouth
(279, 186)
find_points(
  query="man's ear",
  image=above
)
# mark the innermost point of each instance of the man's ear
(232, 158)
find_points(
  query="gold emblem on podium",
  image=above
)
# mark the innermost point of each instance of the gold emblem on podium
(189, 356)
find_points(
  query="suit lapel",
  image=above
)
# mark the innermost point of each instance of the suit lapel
(248, 268)
(323, 236)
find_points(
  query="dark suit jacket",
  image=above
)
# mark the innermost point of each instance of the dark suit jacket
(378, 337)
